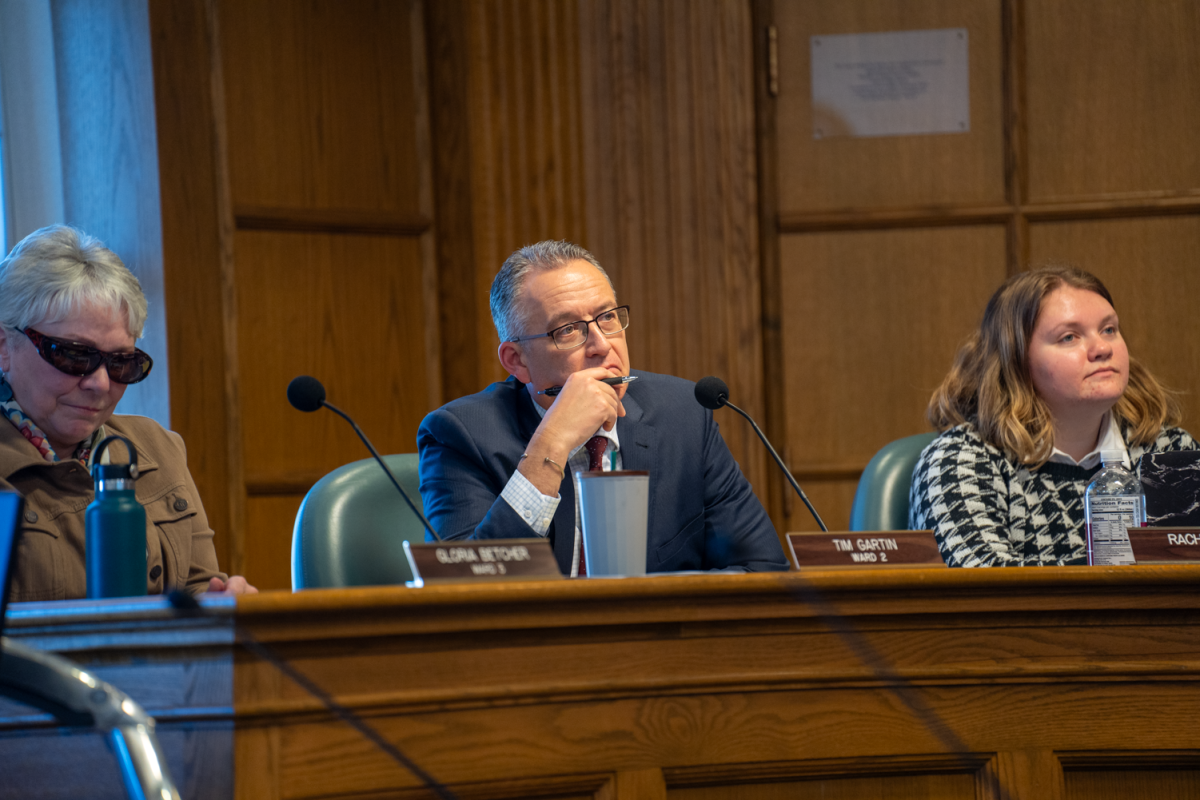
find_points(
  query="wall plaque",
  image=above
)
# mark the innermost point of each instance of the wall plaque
(866, 549)
(890, 84)
(482, 560)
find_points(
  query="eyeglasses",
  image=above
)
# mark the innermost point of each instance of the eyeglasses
(78, 359)
(575, 334)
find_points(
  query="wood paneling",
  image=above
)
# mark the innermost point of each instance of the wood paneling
(821, 175)
(320, 104)
(1112, 98)
(911, 787)
(1149, 266)
(268, 544)
(506, 117)
(197, 229)
(873, 320)
(1142, 784)
(668, 124)
(348, 309)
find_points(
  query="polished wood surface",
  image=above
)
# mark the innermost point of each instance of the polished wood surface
(1005, 683)
(1112, 98)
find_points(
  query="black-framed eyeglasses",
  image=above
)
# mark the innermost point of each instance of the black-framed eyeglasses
(575, 334)
(79, 359)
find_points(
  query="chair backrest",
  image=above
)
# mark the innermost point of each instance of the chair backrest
(351, 528)
(881, 501)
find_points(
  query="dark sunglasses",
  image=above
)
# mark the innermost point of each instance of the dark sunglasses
(78, 359)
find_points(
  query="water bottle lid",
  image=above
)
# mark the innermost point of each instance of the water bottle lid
(113, 472)
(1112, 456)
(108, 472)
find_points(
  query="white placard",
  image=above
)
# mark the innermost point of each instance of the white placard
(890, 84)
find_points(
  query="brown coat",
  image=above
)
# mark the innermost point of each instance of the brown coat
(50, 550)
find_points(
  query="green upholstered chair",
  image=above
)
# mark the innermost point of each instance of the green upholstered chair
(881, 502)
(351, 528)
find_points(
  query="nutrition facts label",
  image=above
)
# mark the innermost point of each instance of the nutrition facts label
(1108, 540)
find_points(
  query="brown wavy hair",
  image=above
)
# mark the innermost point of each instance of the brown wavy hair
(991, 388)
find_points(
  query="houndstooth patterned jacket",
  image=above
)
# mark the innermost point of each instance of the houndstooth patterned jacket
(989, 511)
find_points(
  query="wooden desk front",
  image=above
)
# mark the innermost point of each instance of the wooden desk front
(1055, 683)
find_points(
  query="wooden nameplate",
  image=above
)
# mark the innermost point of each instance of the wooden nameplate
(482, 560)
(1164, 545)
(865, 549)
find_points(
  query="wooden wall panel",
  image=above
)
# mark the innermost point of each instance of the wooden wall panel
(321, 99)
(668, 125)
(909, 787)
(1113, 98)
(1134, 784)
(197, 255)
(1149, 266)
(348, 309)
(874, 319)
(268, 544)
(506, 120)
(843, 173)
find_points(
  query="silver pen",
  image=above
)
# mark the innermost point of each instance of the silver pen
(616, 380)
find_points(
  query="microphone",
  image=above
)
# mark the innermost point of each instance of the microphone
(712, 393)
(306, 393)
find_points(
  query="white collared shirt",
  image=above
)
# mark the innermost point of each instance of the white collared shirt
(1109, 439)
(538, 509)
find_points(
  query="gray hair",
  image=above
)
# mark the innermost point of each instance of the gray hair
(54, 271)
(509, 281)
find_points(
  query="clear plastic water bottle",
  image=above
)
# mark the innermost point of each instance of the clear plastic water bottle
(1113, 503)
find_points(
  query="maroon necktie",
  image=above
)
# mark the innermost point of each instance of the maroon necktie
(595, 447)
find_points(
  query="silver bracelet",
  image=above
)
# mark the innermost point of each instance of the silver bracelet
(561, 472)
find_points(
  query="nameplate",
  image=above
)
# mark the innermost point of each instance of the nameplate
(482, 560)
(866, 549)
(1164, 545)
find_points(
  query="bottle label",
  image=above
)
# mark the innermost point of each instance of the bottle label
(1109, 519)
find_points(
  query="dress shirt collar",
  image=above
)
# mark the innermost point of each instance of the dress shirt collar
(1110, 438)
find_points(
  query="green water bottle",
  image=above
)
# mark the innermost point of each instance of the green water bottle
(116, 529)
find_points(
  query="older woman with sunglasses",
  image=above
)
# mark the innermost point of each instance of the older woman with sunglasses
(70, 312)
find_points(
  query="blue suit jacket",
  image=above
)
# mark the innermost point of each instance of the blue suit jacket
(703, 514)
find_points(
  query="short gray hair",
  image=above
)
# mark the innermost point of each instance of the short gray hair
(54, 271)
(507, 285)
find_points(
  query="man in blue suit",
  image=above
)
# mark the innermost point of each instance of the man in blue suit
(498, 464)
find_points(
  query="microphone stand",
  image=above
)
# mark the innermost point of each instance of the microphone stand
(383, 464)
(787, 472)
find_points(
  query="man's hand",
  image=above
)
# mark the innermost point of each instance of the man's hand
(582, 407)
(235, 585)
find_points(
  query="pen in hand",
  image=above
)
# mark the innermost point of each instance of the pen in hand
(618, 380)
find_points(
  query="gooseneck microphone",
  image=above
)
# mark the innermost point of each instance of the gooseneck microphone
(306, 393)
(712, 393)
